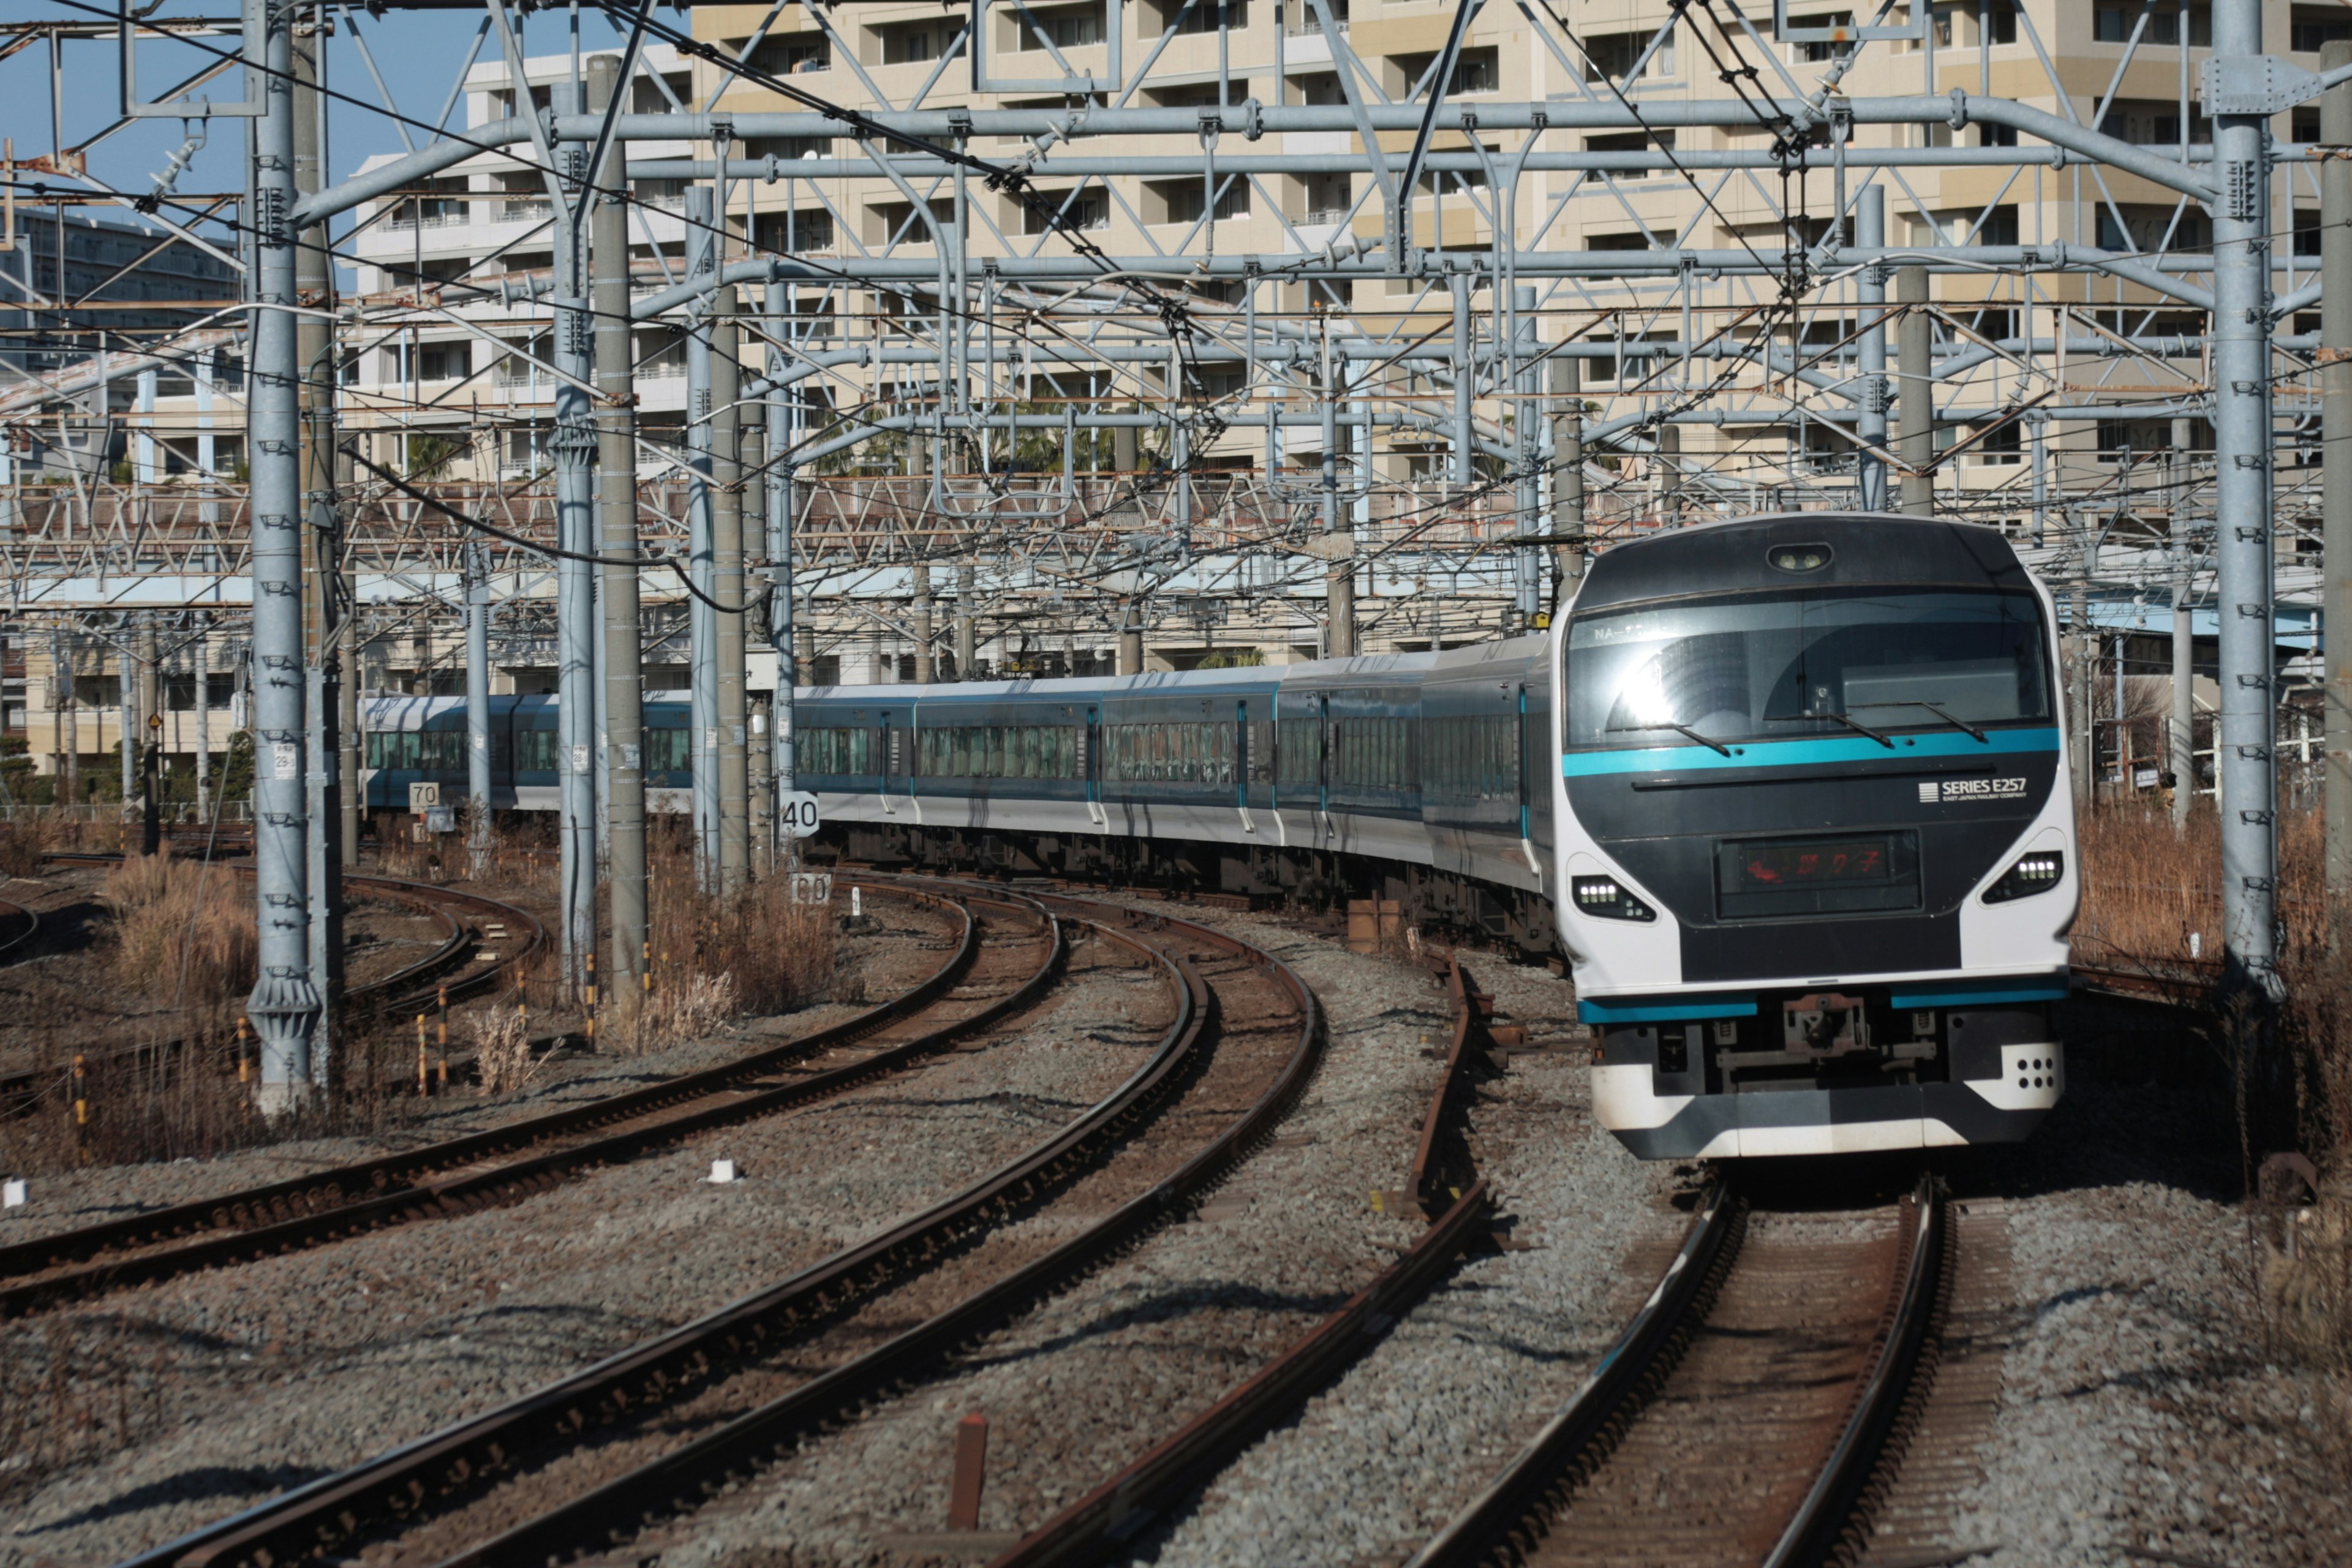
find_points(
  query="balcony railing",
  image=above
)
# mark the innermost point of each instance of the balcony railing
(1299, 20)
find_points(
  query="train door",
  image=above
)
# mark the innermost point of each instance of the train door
(1242, 763)
(1520, 772)
(1323, 759)
(886, 760)
(1090, 765)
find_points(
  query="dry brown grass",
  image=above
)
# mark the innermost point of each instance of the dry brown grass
(2148, 888)
(715, 958)
(502, 1049)
(183, 932)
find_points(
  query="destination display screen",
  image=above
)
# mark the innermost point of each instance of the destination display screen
(1770, 878)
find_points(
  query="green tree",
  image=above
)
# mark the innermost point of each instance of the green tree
(236, 768)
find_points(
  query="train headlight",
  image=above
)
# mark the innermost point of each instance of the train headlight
(2035, 873)
(1602, 896)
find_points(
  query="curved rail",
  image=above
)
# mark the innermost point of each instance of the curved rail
(393, 1189)
(1505, 1522)
(334, 1510)
(1163, 1477)
(1828, 1507)
(12, 911)
(20, 1088)
(1577, 1436)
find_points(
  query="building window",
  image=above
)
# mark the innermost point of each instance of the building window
(1065, 29)
(1608, 57)
(793, 57)
(1087, 210)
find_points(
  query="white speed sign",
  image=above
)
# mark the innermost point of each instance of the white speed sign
(797, 815)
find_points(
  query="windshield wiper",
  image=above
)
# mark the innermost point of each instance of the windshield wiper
(1952, 719)
(1679, 729)
(1848, 719)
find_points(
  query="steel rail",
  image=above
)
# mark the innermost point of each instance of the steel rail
(32, 929)
(686, 1476)
(20, 1089)
(1505, 1522)
(369, 1195)
(1830, 1504)
(324, 1515)
(1581, 1433)
(1091, 1529)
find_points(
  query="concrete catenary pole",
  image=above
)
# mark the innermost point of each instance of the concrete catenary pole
(200, 654)
(702, 625)
(1870, 407)
(478, 705)
(324, 601)
(926, 633)
(150, 736)
(2335, 446)
(759, 763)
(2242, 475)
(967, 620)
(2181, 748)
(1567, 474)
(575, 580)
(781, 499)
(126, 726)
(727, 587)
(616, 511)
(285, 1001)
(1917, 399)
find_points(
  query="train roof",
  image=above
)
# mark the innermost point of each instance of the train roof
(1866, 549)
(1364, 669)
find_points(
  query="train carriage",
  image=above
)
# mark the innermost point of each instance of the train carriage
(1789, 793)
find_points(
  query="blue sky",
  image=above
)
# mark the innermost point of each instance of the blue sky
(417, 53)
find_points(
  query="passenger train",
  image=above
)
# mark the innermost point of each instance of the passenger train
(1787, 793)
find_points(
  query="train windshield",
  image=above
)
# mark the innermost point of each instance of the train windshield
(1783, 666)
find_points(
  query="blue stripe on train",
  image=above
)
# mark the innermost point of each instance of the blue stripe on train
(1693, 757)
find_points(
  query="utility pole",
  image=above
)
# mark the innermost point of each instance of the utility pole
(702, 623)
(2336, 444)
(727, 586)
(201, 656)
(1917, 399)
(1870, 407)
(285, 1002)
(575, 580)
(967, 620)
(1567, 472)
(2242, 486)
(920, 573)
(2181, 753)
(323, 605)
(478, 705)
(616, 547)
(779, 548)
(150, 735)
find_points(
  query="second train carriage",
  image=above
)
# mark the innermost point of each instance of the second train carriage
(422, 740)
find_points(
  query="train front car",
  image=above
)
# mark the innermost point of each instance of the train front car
(1816, 839)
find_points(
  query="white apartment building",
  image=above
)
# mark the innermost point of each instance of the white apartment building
(446, 400)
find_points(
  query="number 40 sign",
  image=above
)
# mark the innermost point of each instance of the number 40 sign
(796, 815)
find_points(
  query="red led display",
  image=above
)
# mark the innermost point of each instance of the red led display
(1815, 862)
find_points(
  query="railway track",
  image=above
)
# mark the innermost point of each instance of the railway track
(1754, 1410)
(450, 969)
(976, 986)
(659, 1430)
(1459, 1205)
(18, 926)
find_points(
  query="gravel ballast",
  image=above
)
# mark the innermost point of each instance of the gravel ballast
(243, 1381)
(913, 945)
